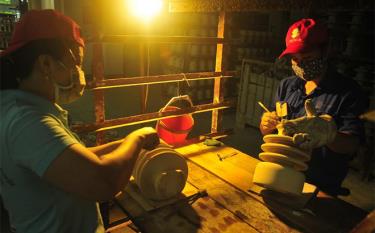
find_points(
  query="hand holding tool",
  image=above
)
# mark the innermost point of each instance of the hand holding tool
(310, 131)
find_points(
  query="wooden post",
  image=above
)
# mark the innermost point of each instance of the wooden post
(97, 67)
(216, 122)
(142, 73)
(98, 75)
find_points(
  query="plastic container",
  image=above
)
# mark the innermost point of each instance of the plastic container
(174, 130)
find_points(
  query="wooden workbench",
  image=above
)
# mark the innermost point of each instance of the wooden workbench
(233, 203)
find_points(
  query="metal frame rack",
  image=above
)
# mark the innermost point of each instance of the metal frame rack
(218, 103)
(100, 82)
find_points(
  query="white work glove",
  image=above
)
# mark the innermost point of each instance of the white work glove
(310, 131)
(269, 121)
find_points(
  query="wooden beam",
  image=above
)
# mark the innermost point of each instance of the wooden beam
(121, 81)
(218, 85)
(202, 138)
(98, 76)
(155, 39)
(144, 88)
(148, 117)
(97, 64)
(259, 5)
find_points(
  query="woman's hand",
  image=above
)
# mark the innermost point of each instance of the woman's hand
(148, 136)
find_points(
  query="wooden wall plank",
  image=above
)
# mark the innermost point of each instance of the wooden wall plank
(218, 92)
(257, 5)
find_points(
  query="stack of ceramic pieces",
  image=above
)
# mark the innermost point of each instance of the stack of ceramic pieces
(283, 165)
(161, 173)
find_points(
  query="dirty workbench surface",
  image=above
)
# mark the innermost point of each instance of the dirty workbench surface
(233, 203)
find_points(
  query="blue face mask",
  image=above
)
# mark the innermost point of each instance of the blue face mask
(311, 69)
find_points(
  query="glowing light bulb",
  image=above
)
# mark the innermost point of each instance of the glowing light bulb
(145, 9)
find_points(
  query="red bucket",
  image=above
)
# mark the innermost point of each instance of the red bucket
(174, 130)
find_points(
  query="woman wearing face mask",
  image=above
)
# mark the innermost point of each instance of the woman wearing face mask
(338, 98)
(50, 182)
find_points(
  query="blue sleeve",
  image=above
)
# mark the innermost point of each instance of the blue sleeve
(353, 105)
(36, 140)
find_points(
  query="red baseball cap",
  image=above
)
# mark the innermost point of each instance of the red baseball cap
(304, 35)
(43, 24)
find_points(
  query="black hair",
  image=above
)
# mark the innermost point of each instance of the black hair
(19, 64)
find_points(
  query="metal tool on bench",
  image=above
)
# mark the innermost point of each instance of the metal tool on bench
(225, 156)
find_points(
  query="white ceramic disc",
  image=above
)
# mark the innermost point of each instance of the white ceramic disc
(283, 160)
(281, 139)
(162, 174)
(286, 150)
(279, 178)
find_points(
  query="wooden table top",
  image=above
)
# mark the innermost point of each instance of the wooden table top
(234, 203)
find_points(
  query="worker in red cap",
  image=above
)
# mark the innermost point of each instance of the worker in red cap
(323, 107)
(51, 182)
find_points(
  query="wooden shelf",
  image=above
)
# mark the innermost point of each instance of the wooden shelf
(149, 117)
(120, 81)
(156, 39)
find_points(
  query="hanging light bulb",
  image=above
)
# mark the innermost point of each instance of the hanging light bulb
(145, 9)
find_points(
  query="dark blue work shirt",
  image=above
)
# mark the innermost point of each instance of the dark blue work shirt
(344, 100)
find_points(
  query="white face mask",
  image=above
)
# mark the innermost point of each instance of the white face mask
(69, 93)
